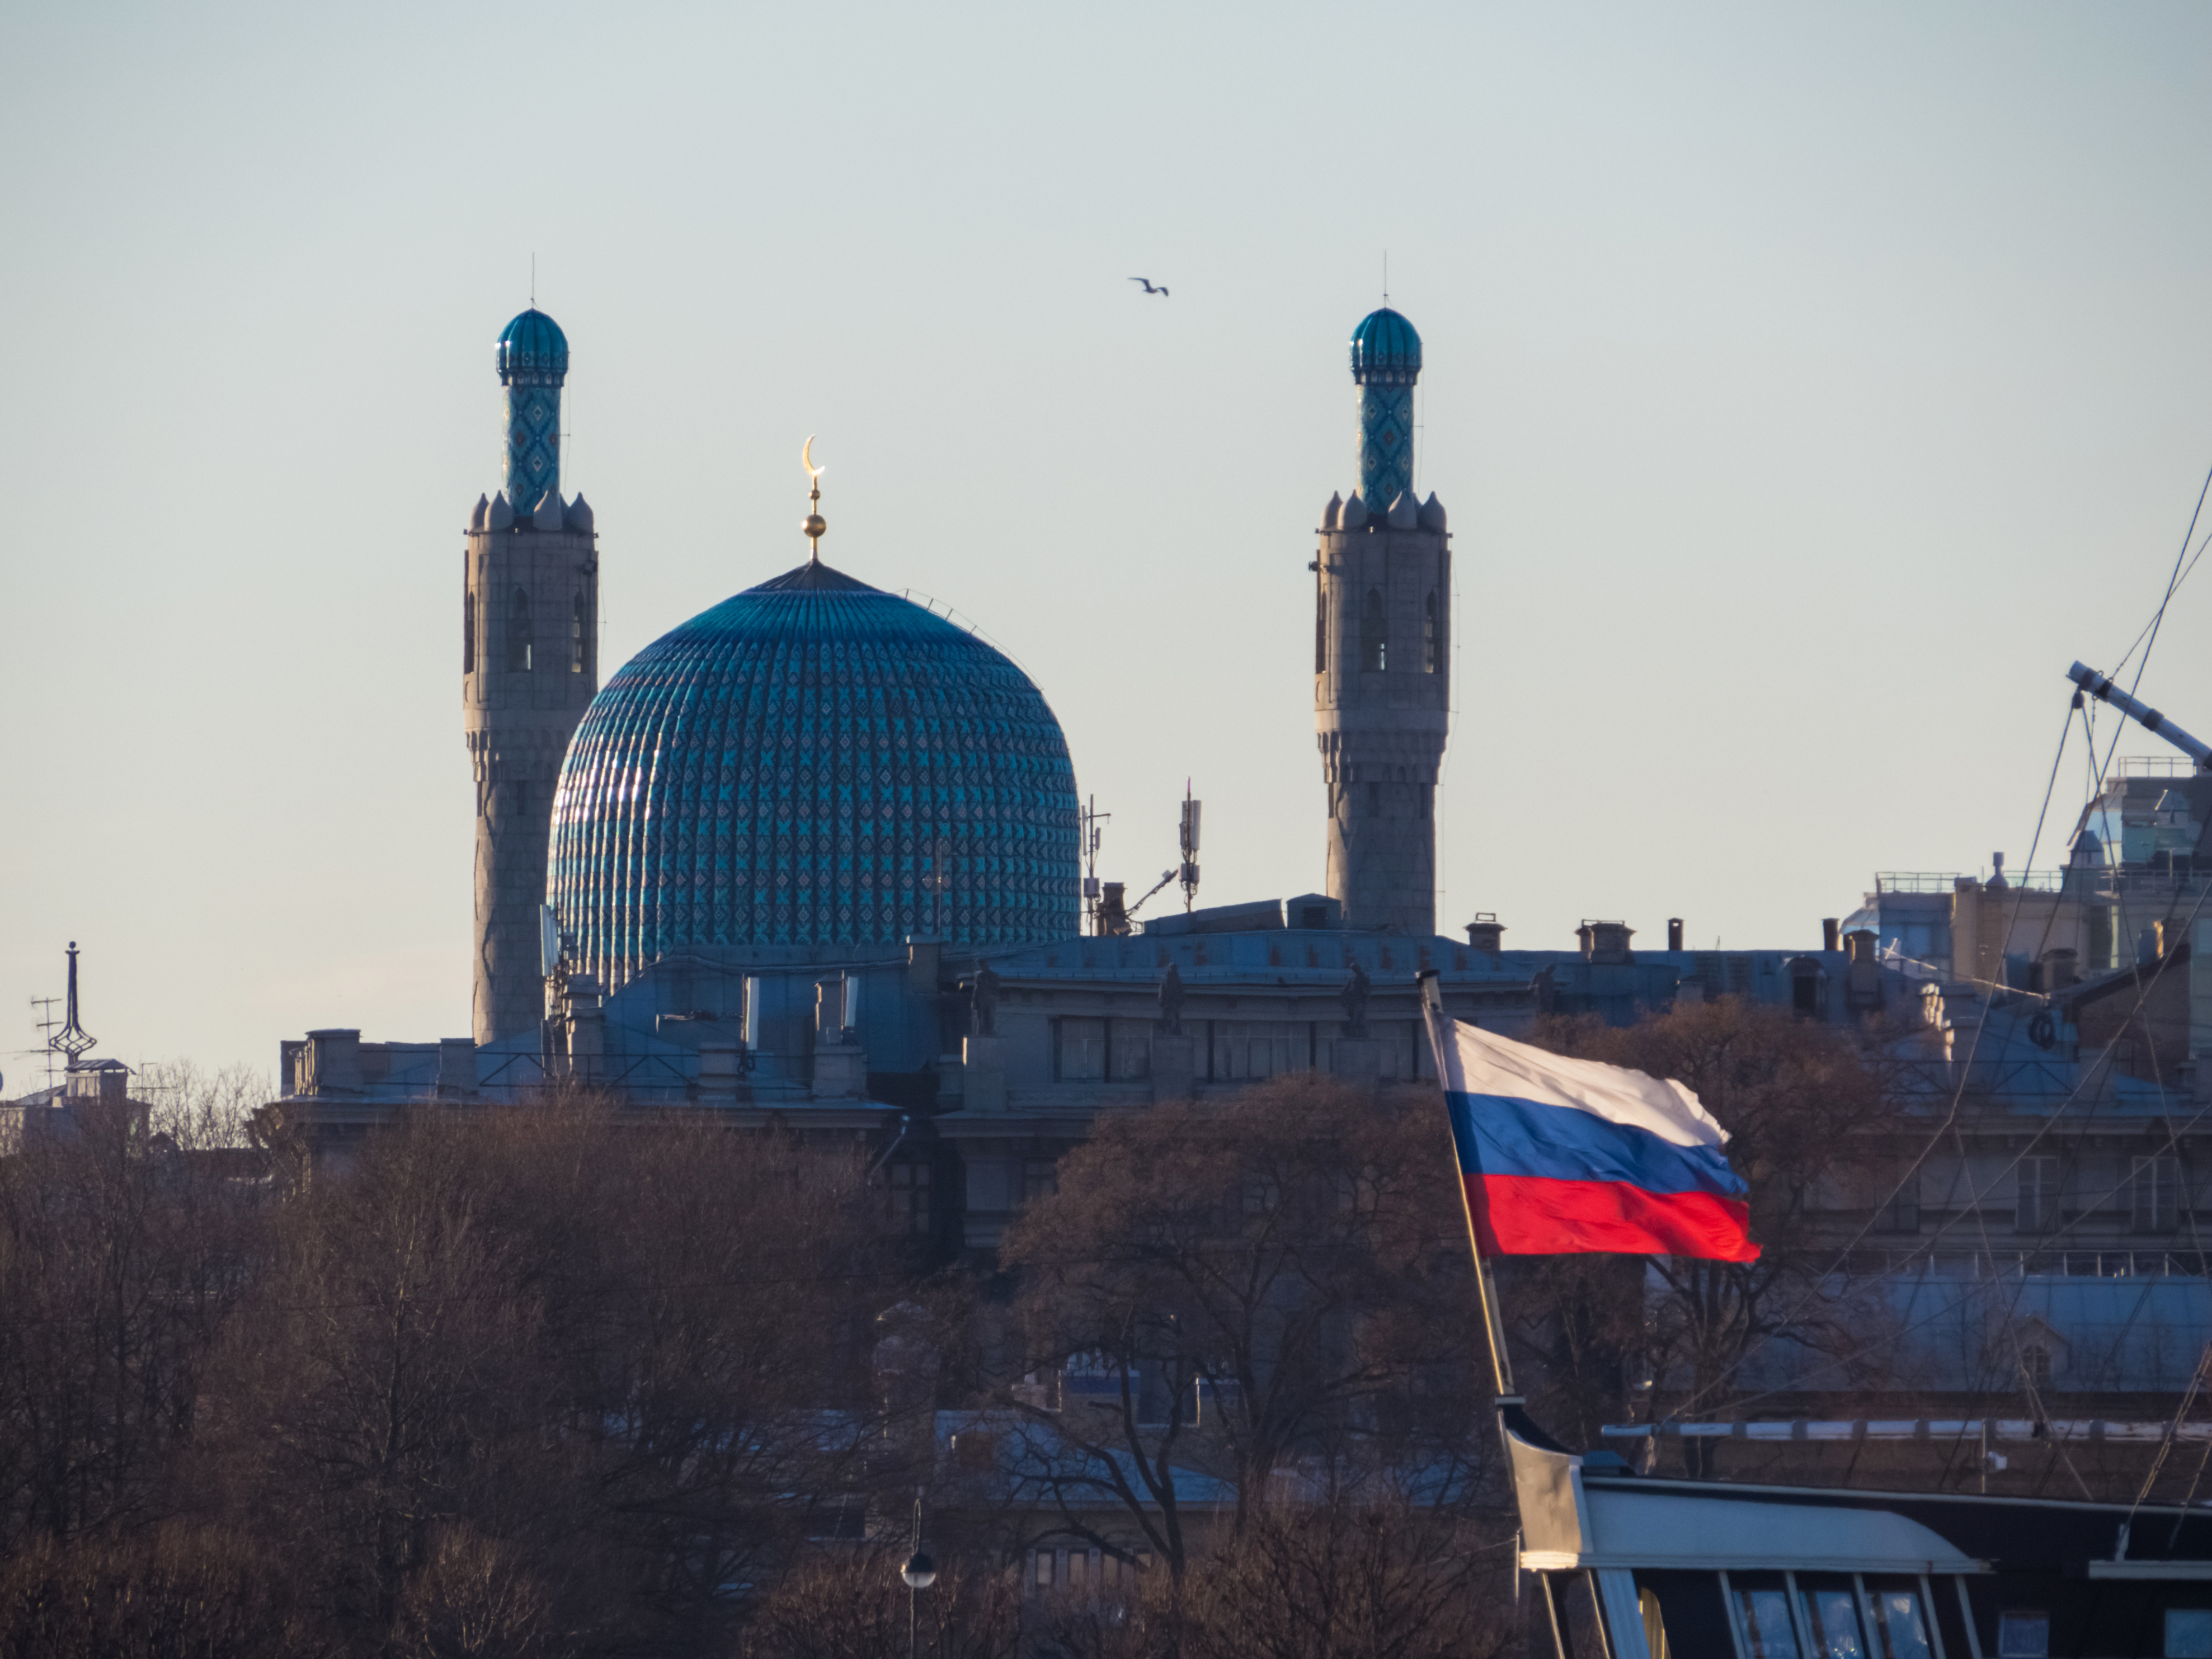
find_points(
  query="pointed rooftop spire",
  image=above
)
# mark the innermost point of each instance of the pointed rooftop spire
(816, 525)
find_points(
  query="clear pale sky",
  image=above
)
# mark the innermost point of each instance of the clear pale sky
(1809, 386)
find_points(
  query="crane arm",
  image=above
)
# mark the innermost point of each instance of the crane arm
(2144, 715)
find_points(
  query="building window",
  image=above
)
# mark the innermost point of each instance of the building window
(2154, 1186)
(1247, 1050)
(1831, 1615)
(2035, 1362)
(1897, 1202)
(1040, 1179)
(2037, 1208)
(1374, 640)
(519, 647)
(580, 632)
(2023, 1636)
(1762, 1613)
(1082, 1053)
(1043, 1570)
(909, 1196)
(2188, 1633)
(1320, 632)
(1429, 636)
(468, 632)
(1899, 1629)
(1129, 1049)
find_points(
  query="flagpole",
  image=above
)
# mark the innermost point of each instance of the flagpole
(1501, 1366)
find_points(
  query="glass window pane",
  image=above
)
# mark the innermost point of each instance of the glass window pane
(1831, 1621)
(1082, 1050)
(1767, 1631)
(2023, 1636)
(2188, 1633)
(1900, 1631)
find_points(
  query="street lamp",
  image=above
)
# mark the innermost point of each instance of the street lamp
(920, 1573)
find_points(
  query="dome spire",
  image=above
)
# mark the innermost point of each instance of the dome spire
(816, 525)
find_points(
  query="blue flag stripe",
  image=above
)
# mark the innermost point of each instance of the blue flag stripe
(1499, 1134)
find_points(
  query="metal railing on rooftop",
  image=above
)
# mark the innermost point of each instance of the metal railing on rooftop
(1943, 881)
(2031, 1264)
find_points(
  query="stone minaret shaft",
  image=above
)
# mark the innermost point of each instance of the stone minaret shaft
(1382, 593)
(529, 666)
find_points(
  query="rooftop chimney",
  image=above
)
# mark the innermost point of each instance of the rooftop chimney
(1486, 932)
(1606, 941)
(1674, 933)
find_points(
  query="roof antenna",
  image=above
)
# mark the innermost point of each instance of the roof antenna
(1386, 277)
(72, 1039)
(815, 526)
(533, 279)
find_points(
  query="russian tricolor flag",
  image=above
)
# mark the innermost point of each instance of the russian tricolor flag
(1560, 1155)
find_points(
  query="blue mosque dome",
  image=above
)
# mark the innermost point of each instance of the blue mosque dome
(532, 345)
(1385, 349)
(813, 761)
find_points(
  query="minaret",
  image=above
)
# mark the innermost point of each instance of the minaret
(1382, 655)
(529, 665)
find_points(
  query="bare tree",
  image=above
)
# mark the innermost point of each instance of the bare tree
(477, 1598)
(119, 1261)
(1798, 1098)
(1381, 1573)
(173, 1593)
(1234, 1285)
(613, 1359)
(856, 1607)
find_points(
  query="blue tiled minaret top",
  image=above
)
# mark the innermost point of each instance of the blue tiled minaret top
(533, 361)
(1386, 361)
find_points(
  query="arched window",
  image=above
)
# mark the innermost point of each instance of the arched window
(1428, 636)
(580, 632)
(1321, 632)
(518, 633)
(468, 632)
(1374, 644)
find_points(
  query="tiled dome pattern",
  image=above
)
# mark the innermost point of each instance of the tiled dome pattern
(813, 761)
(1385, 349)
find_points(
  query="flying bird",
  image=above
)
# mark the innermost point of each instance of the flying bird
(1148, 289)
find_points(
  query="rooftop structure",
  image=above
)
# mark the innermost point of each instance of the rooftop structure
(813, 761)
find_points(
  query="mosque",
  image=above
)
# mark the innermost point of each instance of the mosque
(813, 857)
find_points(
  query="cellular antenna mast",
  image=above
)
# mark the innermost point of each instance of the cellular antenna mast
(1092, 819)
(1189, 871)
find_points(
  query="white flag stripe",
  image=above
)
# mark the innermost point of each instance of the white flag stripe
(1485, 1064)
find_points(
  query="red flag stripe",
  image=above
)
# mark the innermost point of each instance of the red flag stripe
(1533, 1215)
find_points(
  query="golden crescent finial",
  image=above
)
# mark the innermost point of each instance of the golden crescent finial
(813, 526)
